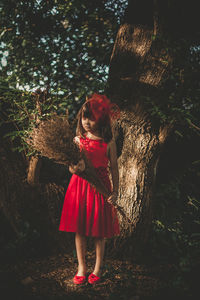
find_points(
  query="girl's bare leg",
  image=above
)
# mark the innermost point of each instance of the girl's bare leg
(80, 242)
(100, 247)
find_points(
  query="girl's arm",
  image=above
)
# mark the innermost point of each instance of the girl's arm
(112, 154)
(80, 167)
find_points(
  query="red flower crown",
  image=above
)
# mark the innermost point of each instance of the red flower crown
(101, 106)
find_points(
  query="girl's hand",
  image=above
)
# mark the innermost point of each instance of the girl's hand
(76, 169)
(112, 198)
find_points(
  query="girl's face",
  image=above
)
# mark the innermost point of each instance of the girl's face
(89, 124)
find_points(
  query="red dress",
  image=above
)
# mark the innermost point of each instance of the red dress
(85, 210)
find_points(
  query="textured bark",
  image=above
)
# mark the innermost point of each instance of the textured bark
(34, 171)
(35, 162)
(137, 69)
(137, 168)
(136, 64)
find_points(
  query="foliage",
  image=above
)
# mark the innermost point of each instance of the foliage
(176, 226)
(21, 110)
(58, 44)
(59, 47)
(180, 91)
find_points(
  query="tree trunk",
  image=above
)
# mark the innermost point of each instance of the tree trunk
(34, 170)
(137, 69)
(35, 162)
(137, 168)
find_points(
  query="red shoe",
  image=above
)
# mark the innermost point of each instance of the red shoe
(79, 279)
(93, 279)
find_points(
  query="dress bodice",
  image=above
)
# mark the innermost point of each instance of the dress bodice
(96, 151)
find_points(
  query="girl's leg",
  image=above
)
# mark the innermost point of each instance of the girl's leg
(80, 242)
(100, 247)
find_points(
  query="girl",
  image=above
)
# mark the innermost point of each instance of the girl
(85, 211)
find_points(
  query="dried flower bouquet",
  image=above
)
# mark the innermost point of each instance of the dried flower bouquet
(54, 138)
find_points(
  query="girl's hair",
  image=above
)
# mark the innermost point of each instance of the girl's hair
(95, 108)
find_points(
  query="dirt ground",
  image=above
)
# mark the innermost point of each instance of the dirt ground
(51, 278)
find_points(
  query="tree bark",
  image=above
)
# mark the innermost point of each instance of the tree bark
(35, 162)
(34, 170)
(137, 169)
(138, 68)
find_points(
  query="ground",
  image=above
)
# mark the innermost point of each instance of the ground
(51, 278)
